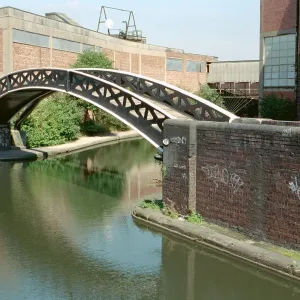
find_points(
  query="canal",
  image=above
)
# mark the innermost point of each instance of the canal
(66, 232)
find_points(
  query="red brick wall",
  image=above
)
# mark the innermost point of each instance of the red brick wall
(247, 176)
(190, 81)
(287, 94)
(135, 63)
(62, 59)
(26, 56)
(122, 61)
(278, 15)
(109, 53)
(154, 67)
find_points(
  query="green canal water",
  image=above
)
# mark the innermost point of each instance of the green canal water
(66, 232)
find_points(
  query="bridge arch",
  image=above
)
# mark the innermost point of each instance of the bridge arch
(140, 102)
(28, 87)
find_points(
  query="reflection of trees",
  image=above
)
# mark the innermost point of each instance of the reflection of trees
(44, 244)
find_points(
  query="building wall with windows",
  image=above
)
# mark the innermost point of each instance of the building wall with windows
(278, 48)
(33, 41)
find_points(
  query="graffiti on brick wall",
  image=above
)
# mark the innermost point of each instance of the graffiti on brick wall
(294, 187)
(219, 175)
(179, 140)
(287, 132)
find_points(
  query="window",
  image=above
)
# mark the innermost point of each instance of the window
(195, 66)
(279, 61)
(86, 47)
(66, 45)
(29, 38)
(174, 64)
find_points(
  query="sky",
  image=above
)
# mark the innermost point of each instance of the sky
(228, 29)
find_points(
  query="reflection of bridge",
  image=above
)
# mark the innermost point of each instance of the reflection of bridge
(140, 102)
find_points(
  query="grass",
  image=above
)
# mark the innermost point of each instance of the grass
(194, 218)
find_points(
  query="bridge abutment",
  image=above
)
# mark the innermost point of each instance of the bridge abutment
(5, 138)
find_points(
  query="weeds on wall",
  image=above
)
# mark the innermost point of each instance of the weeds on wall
(277, 108)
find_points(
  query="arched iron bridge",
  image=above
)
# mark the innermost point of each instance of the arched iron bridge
(140, 102)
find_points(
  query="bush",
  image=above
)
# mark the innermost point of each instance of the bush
(92, 128)
(92, 59)
(278, 108)
(55, 121)
(212, 95)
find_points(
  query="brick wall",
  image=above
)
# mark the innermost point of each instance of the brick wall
(190, 81)
(278, 15)
(287, 94)
(135, 63)
(154, 67)
(26, 56)
(62, 59)
(247, 176)
(122, 61)
(1, 50)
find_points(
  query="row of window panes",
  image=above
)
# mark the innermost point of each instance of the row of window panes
(280, 53)
(29, 38)
(174, 64)
(289, 75)
(279, 61)
(281, 46)
(288, 38)
(279, 82)
(281, 68)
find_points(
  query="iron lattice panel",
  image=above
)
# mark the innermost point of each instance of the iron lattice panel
(178, 99)
(127, 106)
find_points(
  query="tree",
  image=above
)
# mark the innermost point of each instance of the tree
(210, 94)
(92, 59)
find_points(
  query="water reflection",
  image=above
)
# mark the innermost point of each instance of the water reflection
(66, 233)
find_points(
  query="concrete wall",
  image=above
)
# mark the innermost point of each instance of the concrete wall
(148, 60)
(245, 176)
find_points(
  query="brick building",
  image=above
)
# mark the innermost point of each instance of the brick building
(34, 41)
(278, 48)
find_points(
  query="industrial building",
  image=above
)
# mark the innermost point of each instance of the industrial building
(54, 40)
(279, 46)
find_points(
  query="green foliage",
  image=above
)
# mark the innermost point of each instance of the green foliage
(195, 218)
(91, 128)
(212, 95)
(92, 59)
(55, 121)
(278, 108)
(170, 212)
(109, 122)
(153, 204)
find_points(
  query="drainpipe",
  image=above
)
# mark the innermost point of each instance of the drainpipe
(297, 64)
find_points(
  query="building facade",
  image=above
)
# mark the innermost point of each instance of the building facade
(34, 41)
(279, 48)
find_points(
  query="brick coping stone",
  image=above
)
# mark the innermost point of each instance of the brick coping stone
(273, 261)
(83, 143)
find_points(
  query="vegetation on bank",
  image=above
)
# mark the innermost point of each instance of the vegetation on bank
(210, 94)
(158, 205)
(278, 108)
(61, 118)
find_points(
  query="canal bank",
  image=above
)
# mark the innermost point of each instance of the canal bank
(277, 260)
(23, 154)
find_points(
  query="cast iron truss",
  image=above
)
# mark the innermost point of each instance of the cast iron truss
(137, 101)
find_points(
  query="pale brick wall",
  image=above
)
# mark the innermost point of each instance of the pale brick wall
(26, 56)
(62, 59)
(135, 63)
(154, 67)
(109, 53)
(122, 61)
(190, 81)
